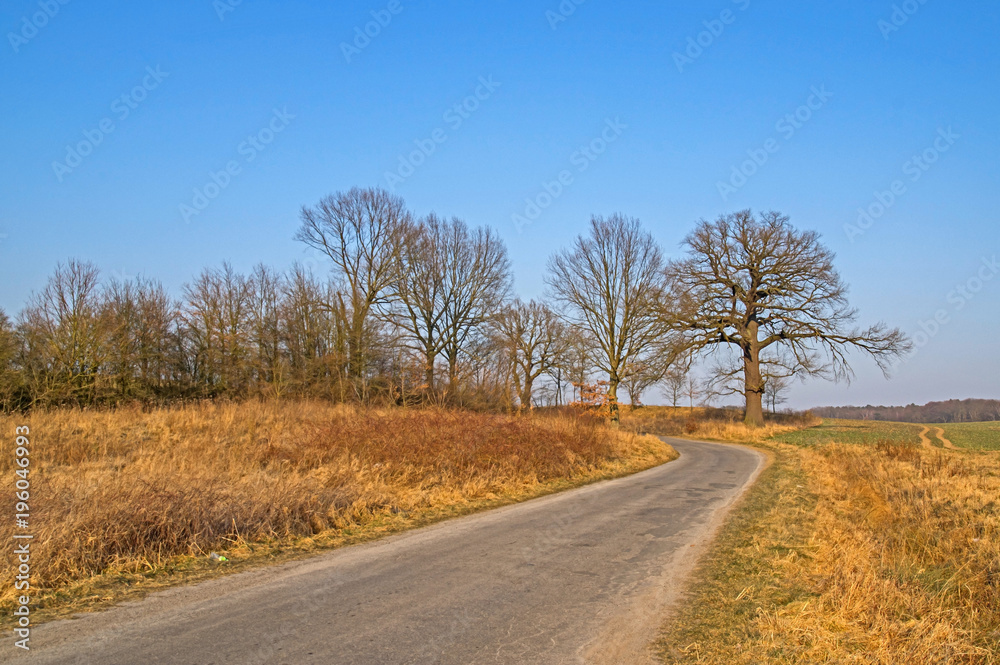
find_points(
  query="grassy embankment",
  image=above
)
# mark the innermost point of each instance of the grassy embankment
(857, 545)
(710, 424)
(130, 501)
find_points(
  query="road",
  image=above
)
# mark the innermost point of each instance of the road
(584, 576)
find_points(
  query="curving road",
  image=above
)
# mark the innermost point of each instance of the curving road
(584, 576)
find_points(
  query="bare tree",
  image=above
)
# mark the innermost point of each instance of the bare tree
(726, 378)
(217, 317)
(451, 281)
(558, 375)
(650, 368)
(264, 288)
(754, 283)
(420, 290)
(673, 385)
(775, 391)
(609, 286)
(533, 339)
(121, 307)
(477, 283)
(313, 335)
(640, 376)
(139, 315)
(576, 361)
(9, 377)
(361, 231)
(692, 389)
(486, 375)
(158, 316)
(64, 331)
(676, 377)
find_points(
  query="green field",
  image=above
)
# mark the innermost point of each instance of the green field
(981, 436)
(976, 436)
(834, 430)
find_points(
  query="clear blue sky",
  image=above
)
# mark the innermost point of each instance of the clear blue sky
(685, 128)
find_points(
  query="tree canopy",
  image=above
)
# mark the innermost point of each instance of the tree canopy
(759, 286)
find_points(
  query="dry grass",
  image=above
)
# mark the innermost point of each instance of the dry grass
(907, 557)
(711, 424)
(877, 553)
(127, 495)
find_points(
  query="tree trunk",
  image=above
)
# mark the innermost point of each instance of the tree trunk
(526, 394)
(356, 344)
(752, 383)
(355, 363)
(452, 374)
(429, 372)
(613, 402)
(755, 411)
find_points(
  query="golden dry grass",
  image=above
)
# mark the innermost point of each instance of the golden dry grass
(907, 557)
(710, 424)
(129, 494)
(879, 553)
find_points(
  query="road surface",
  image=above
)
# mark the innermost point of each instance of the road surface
(584, 576)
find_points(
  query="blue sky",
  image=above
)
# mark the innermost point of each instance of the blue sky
(665, 101)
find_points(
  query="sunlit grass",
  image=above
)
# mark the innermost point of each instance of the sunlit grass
(120, 498)
(854, 547)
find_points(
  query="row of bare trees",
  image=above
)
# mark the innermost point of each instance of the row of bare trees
(413, 310)
(421, 310)
(757, 297)
(82, 342)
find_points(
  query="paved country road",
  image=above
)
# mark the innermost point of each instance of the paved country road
(584, 576)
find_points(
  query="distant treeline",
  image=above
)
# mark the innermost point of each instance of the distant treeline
(951, 411)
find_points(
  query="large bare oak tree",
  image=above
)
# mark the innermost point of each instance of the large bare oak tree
(754, 283)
